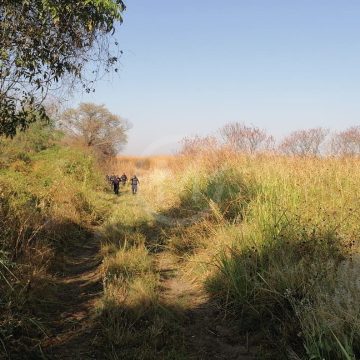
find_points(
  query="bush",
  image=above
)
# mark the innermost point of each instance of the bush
(43, 210)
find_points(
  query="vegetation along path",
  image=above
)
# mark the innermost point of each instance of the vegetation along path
(150, 308)
(122, 292)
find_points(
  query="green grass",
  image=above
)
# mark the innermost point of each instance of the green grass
(135, 322)
(48, 203)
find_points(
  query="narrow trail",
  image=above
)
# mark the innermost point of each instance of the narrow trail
(207, 334)
(73, 332)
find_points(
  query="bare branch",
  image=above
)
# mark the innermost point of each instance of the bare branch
(246, 139)
(304, 142)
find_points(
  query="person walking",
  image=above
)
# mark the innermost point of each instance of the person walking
(123, 179)
(116, 184)
(134, 184)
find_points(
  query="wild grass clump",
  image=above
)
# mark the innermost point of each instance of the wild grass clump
(134, 324)
(184, 241)
(225, 191)
(135, 320)
(127, 263)
(285, 270)
(18, 151)
(229, 190)
(46, 206)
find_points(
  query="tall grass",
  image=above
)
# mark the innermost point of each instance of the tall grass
(47, 200)
(135, 322)
(274, 239)
(290, 267)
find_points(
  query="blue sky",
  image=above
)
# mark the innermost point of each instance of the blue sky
(190, 67)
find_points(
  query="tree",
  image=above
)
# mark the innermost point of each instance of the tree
(96, 127)
(346, 143)
(304, 142)
(196, 145)
(248, 139)
(43, 43)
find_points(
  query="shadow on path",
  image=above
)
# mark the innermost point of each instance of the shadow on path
(206, 333)
(77, 286)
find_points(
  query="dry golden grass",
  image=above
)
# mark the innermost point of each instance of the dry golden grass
(284, 256)
(132, 165)
(271, 237)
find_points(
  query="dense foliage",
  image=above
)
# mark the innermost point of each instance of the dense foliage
(47, 202)
(44, 42)
(95, 127)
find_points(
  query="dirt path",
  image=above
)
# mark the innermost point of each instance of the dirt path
(207, 334)
(73, 332)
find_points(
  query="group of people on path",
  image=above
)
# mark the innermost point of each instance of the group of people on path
(115, 180)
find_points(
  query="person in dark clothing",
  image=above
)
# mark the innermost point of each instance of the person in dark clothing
(116, 184)
(134, 184)
(123, 179)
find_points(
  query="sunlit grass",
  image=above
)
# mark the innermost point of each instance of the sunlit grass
(274, 239)
(284, 268)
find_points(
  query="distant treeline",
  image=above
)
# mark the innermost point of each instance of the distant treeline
(238, 137)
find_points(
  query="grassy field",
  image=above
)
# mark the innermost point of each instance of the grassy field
(270, 241)
(218, 256)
